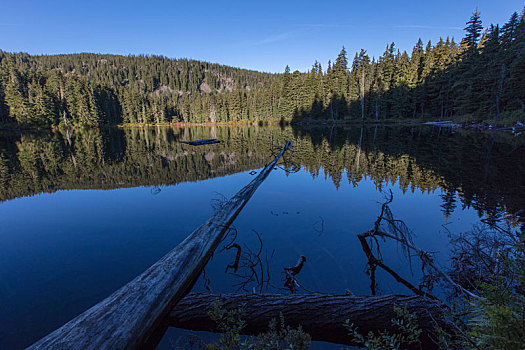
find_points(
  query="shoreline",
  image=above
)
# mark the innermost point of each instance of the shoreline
(517, 128)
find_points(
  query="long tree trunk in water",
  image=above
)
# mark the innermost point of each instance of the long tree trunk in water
(133, 316)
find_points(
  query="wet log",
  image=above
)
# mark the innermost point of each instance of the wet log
(320, 315)
(131, 316)
(448, 123)
(201, 142)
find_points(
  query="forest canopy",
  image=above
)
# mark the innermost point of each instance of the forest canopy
(481, 77)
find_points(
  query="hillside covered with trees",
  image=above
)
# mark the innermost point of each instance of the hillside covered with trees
(481, 77)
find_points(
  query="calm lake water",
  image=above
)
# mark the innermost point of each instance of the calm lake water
(84, 213)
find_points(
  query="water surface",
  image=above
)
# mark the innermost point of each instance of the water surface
(83, 213)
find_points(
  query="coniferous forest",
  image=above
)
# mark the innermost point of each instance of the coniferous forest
(482, 77)
(412, 236)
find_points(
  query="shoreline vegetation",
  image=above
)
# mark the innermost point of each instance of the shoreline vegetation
(517, 127)
(478, 80)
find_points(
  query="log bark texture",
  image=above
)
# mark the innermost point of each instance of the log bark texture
(320, 315)
(134, 313)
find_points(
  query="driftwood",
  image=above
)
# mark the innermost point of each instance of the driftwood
(320, 315)
(133, 315)
(290, 281)
(374, 262)
(401, 234)
(250, 266)
(449, 123)
(201, 142)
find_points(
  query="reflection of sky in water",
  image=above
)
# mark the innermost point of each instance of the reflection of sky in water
(63, 252)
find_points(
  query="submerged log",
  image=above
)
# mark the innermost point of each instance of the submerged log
(320, 315)
(201, 142)
(132, 315)
(448, 123)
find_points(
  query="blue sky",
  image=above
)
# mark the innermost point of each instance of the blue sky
(260, 35)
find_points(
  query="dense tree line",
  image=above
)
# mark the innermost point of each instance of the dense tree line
(90, 89)
(483, 75)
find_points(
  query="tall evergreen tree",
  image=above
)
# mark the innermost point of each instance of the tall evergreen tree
(473, 30)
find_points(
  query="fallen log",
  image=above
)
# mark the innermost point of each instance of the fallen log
(448, 123)
(320, 315)
(134, 314)
(201, 142)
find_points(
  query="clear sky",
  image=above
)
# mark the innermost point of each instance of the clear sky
(260, 35)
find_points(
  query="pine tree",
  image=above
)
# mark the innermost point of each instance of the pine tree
(473, 30)
(416, 67)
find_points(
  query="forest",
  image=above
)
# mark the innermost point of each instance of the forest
(478, 79)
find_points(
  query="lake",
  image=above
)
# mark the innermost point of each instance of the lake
(84, 212)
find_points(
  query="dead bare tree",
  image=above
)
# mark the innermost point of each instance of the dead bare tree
(386, 226)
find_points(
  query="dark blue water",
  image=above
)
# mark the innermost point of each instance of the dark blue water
(81, 218)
